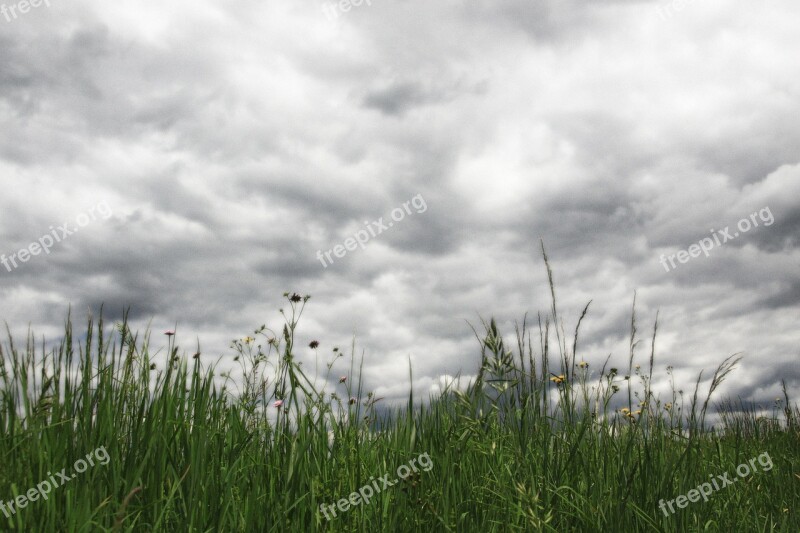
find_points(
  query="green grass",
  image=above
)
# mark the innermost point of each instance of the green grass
(534, 444)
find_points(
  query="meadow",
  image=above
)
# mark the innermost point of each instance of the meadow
(541, 440)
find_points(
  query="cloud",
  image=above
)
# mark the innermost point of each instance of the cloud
(235, 142)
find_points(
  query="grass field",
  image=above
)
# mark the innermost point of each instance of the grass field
(127, 440)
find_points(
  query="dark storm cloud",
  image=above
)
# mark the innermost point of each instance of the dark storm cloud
(235, 143)
(787, 296)
(545, 21)
(397, 99)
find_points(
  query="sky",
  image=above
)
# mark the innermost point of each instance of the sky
(196, 160)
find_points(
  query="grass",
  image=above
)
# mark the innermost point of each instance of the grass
(535, 443)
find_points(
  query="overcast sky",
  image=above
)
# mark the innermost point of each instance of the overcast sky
(206, 152)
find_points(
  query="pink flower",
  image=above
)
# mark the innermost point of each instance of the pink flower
(342, 379)
(278, 404)
(169, 333)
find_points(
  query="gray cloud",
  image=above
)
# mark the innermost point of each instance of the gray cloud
(234, 143)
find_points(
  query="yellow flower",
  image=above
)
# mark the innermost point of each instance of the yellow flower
(248, 340)
(625, 410)
(638, 412)
(558, 380)
(668, 406)
(583, 364)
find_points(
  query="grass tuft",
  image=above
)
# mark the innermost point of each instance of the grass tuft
(535, 443)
